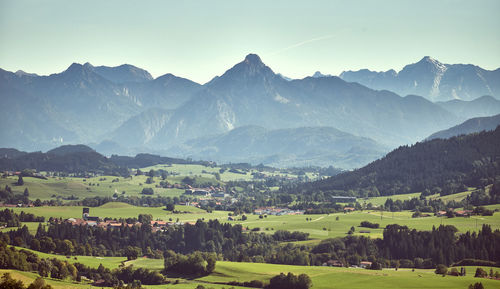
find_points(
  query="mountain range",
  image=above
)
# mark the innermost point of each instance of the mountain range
(432, 79)
(249, 113)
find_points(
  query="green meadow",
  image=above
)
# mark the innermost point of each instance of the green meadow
(327, 226)
(322, 277)
(82, 188)
(122, 210)
(91, 261)
(319, 227)
(330, 277)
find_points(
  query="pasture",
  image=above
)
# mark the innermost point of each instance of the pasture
(121, 210)
(319, 227)
(331, 277)
(327, 226)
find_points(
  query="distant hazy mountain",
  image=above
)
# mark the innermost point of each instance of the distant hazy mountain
(286, 147)
(432, 79)
(470, 126)
(318, 74)
(284, 77)
(122, 73)
(142, 128)
(250, 93)
(122, 108)
(167, 91)
(81, 104)
(482, 106)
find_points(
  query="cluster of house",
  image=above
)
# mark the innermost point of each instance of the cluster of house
(337, 263)
(277, 211)
(206, 195)
(87, 220)
(349, 209)
(459, 213)
(214, 192)
(17, 173)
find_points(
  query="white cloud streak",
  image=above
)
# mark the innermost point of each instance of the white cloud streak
(293, 46)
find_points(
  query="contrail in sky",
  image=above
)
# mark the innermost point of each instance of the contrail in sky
(293, 46)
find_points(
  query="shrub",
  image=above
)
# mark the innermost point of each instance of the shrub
(481, 273)
(441, 269)
(476, 286)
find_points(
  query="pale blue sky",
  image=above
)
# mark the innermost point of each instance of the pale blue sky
(201, 39)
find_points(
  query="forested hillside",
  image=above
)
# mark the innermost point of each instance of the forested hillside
(440, 166)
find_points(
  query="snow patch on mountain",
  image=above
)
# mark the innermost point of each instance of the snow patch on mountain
(281, 99)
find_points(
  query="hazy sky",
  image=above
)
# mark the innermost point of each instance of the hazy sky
(201, 39)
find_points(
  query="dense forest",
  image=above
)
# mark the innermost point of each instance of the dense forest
(442, 166)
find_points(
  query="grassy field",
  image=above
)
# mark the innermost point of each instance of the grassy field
(91, 261)
(326, 226)
(99, 186)
(122, 210)
(320, 227)
(328, 277)
(322, 277)
(28, 277)
(377, 201)
(32, 226)
(109, 185)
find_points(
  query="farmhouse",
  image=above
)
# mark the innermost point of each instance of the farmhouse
(349, 209)
(333, 263)
(441, 213)
(365, 264)
(463, 213)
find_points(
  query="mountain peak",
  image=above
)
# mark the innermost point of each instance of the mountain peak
(250, 68)
(430, 60)
(318, 74)
(253, 59)
(74, 66)
(23, 73)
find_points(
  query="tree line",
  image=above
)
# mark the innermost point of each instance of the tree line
(400, 245)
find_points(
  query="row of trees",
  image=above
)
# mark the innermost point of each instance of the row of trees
(411, 248)
(194, 264)
(11, 219)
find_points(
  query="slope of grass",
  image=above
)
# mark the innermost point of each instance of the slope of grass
(121, 210)
(29, 277)
(328, 277)
(321, 226)
(91, 261)
(326, 226)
